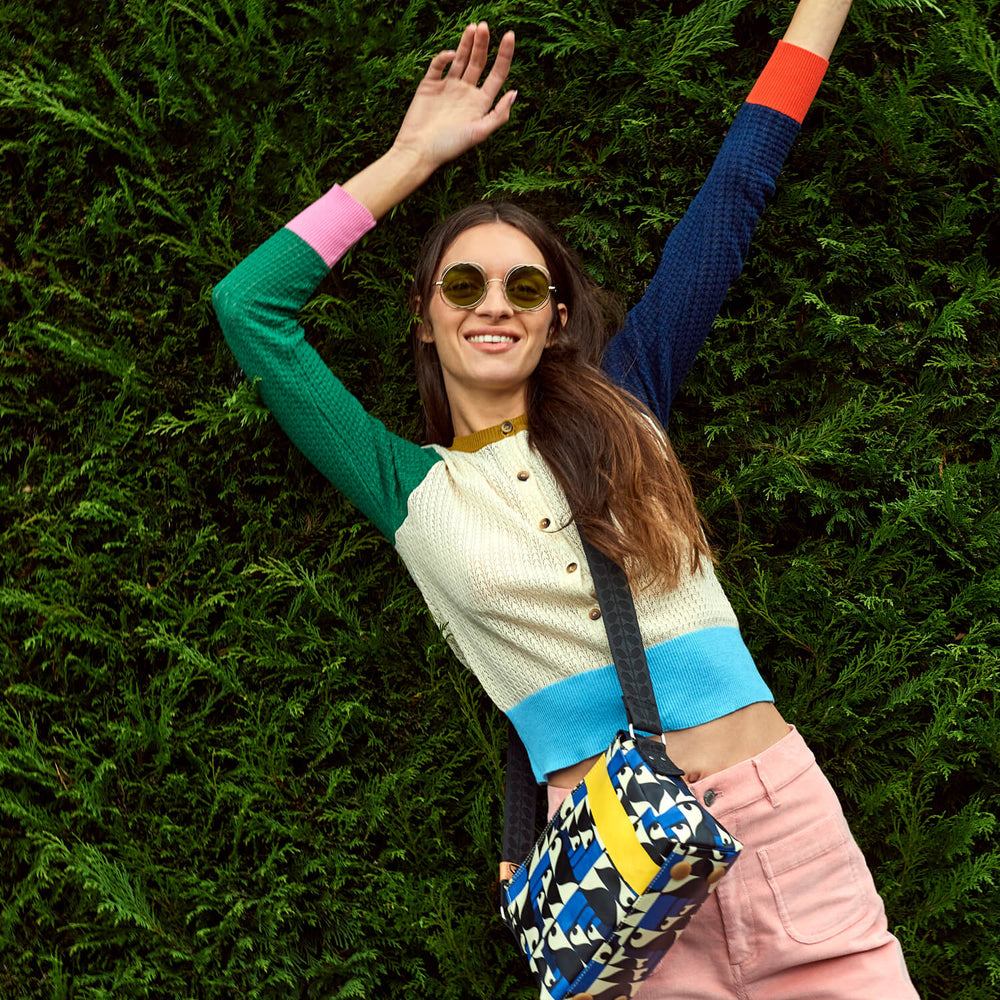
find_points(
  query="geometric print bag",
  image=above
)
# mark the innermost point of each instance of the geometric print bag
(628, 857)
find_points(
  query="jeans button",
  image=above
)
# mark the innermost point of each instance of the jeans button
(709, 798)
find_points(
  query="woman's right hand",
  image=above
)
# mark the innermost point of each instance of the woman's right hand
(450, 112)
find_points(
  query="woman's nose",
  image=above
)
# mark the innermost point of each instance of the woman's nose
(495, 300)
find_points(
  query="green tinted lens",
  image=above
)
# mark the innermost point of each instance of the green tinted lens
(463, 285)
(527, 287)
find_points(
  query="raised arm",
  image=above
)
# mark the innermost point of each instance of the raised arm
(706, 250)
(258, 302)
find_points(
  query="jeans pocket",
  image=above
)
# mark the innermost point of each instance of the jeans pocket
(817, 880)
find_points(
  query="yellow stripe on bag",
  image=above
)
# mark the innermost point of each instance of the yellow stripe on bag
(616, 831)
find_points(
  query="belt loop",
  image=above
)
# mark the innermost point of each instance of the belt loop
(771, 797)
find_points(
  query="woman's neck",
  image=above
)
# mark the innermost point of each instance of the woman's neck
(472, 415)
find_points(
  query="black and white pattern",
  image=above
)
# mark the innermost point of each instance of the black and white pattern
(581, 926)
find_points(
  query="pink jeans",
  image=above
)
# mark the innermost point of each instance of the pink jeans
(798, 916)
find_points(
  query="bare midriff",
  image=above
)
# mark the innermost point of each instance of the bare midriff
(706, 749)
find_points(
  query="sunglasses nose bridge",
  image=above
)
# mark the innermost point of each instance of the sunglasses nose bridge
(494, 299)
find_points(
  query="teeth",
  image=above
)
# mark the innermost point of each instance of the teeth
(492, 338)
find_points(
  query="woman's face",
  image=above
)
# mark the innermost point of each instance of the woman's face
(482, 373)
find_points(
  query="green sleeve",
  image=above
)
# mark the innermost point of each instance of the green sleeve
(257, 304)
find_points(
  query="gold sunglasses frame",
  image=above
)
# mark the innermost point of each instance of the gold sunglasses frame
(486, 285)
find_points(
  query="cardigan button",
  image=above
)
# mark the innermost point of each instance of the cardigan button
(595, 613)
(544, 523)
(506, 427)
(523, 476)
(571, 568)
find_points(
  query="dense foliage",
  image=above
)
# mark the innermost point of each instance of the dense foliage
(235, 757)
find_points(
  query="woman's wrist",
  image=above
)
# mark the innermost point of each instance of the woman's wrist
(384, 183)
(816, 25)
(414, 161)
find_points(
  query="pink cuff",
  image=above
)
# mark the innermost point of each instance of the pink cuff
(789, 81)
(332, 223)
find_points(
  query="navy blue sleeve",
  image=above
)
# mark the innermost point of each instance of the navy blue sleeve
(654, 351)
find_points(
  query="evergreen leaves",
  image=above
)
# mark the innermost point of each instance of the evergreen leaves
(235, 757)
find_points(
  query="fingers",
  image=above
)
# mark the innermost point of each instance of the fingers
(463, 52)
(501, 66)
(502, 110)
(480, 50)
(438, 64)
(500, 115)
(470, 58)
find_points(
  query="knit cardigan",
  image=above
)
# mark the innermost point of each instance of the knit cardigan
(483, 527)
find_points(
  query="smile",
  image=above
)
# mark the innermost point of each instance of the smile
(491, 338)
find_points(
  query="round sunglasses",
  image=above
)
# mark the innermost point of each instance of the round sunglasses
(525, 286)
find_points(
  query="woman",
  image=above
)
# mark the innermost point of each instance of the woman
(507, 333)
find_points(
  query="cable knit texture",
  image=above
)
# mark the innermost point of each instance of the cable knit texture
(483, 527)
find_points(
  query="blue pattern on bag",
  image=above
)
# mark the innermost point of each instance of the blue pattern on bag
(580, 925)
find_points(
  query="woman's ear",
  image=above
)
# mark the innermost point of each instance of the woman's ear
(425, 333)
(558, 323)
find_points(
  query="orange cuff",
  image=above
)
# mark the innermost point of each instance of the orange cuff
(789, 81)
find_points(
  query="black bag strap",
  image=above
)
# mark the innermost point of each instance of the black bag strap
(518, 801)
(614, 596)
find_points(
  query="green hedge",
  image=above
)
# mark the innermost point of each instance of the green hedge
(237, 760)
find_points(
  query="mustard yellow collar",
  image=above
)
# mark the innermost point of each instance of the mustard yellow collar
(479, 439)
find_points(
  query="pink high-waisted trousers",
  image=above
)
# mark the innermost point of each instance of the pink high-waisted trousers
(797, 917)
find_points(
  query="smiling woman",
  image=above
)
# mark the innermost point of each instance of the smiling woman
(488, 350)
(546, 422)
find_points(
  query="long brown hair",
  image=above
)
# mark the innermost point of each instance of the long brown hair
(614, 462)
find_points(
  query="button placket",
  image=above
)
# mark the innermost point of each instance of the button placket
(536, 482)
(577, 568)
(535, 495)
